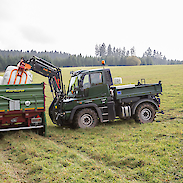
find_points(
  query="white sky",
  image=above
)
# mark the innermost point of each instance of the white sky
(76, 26)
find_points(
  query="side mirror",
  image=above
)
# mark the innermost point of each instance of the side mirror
(64, 90)
(80, 83)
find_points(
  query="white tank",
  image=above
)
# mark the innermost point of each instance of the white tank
(1, 80)
(117, 80)
(11, 72)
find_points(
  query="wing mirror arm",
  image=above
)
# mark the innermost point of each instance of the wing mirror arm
(80, 83)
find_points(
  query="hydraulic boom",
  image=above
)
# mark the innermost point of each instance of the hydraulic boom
(54, 75)
(47, 69)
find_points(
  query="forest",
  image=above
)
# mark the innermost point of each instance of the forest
(112, 56)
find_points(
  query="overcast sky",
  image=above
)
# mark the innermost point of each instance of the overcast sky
(76, 26)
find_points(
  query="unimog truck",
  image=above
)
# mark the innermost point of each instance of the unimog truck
(91, 98)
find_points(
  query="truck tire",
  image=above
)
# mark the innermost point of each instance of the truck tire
(86, 118)
(51, 112)
(145, 113)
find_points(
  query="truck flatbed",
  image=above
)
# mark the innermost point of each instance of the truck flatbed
(126, 91)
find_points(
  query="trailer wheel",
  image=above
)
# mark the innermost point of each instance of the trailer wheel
(86, 118)
(42, 131)
(145, 113)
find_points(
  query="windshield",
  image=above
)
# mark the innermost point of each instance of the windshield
(73, 83)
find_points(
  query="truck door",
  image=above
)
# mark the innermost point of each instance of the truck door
(94, 86)
(96, 89)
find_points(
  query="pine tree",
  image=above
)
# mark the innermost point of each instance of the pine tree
(123, 52)
(109, 50)
(97, 51)
(102, 50)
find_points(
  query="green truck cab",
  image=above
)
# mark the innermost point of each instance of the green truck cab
(92, 98)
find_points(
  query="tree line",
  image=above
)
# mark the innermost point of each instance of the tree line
(150, 57)
(113, 57)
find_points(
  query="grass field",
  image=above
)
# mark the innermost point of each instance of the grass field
(120, 151)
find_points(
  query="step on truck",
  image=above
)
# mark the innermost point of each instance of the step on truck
(91, 97)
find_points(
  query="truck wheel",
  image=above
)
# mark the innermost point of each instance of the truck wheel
(51, 111)
(86, 118)
(145, 113)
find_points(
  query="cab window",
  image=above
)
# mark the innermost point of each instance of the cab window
(96, 78)
(86, 82)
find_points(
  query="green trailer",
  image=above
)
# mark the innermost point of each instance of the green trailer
(22, 107)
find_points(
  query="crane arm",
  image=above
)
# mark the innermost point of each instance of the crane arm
(47, 69)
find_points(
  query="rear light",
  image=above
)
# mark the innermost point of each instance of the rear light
(36, 120)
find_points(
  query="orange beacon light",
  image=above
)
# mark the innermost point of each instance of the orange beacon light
(103, 62)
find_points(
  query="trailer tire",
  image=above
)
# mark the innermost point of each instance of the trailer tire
(42, 131)
(86, 118)
(145, 113)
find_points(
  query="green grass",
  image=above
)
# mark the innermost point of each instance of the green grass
(120, 151)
